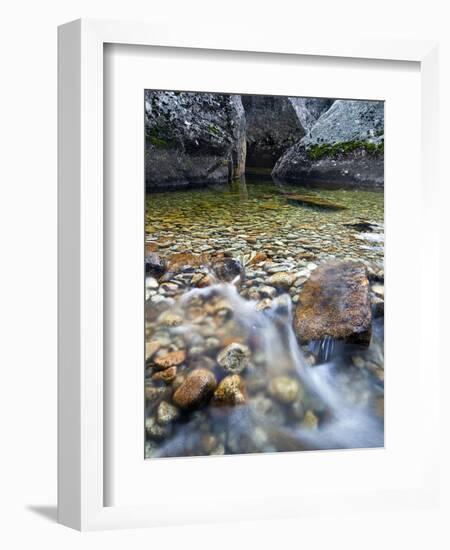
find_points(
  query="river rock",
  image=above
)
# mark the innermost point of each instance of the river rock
(151, 348)
(272, 126)
(234, 358)
(167, 375)
(170, 319)
(155, 266)
(182, 260)
(282, 279)
(166, 413)
(151, 283)
(284, 389)
(170, 359)
(193, 139)
(196, 390)
(345, 145)
(227, 269)
(154, 430)
(267, 291)
(310, 421)
(335, 302)
(230, 391)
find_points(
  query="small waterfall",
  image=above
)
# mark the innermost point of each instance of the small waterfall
(323, 349)
(342, 402)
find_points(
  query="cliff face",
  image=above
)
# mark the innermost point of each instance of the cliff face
(193, 138)
(346, 144)
(272, 126)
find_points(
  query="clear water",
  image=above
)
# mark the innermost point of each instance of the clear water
(340, 404)
(257, 208)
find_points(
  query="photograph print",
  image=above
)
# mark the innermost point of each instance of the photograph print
(264, 274)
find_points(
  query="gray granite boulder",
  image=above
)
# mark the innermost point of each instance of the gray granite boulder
(193, 139)
(345, 146)
(309, 109)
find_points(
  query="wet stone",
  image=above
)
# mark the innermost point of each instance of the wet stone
(170, 359)
(282, 279)
(310, 421)
(167, 375)
(166, 413)
(170, 319)
(284, 389)
(196, 390)
(155, 266)
(230, 391)
(289, 241)
(234, 358)
(154, 430)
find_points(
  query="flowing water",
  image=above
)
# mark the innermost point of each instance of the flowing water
(324, 395)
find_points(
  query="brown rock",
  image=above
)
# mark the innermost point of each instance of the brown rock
(181, 260)
(151, 247)
(335, 302)
(196, 390)
(282, 279)
(166, 375)
(151, 348)
(205, 281)
(258, 257)
(230, 392)
(171, 359)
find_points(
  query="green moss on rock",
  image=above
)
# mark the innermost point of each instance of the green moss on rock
(321, 150)
(157, 140)
(214, 130)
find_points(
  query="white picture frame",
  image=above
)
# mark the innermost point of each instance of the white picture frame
(81, 403)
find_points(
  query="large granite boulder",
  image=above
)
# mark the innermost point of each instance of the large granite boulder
(345, 145)
(272, 127)
(309, 109)
(335, 303)
(193, 139)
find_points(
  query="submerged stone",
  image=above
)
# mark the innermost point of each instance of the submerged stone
(230, 392)
(166, 413)
(318, 202)
(155, 266)
(282, 279)
(196, 390)
(234, 358)
(284, 389)
(228, 269)
(170, 359)
(335, 302)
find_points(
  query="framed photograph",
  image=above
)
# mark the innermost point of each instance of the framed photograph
(242, 334)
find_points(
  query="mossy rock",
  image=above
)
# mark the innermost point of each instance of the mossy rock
(335, 150)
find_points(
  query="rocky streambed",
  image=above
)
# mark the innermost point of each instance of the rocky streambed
(264, 320)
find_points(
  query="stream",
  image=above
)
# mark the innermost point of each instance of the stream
(225, 370)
